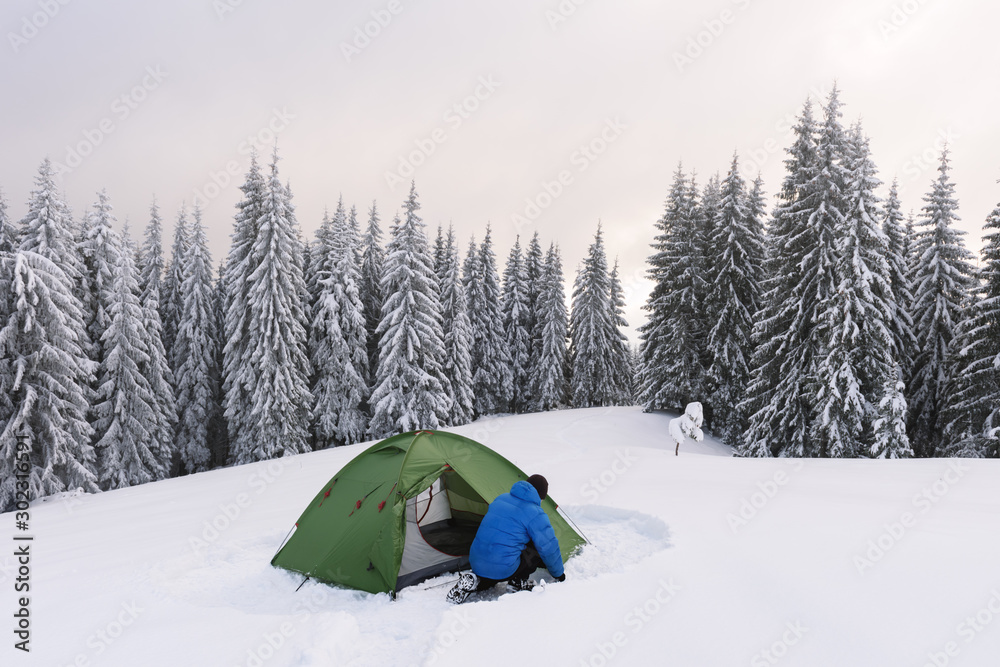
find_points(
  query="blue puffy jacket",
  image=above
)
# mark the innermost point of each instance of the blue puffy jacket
(513, 519)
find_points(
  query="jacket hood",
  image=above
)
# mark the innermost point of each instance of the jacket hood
(525, 491)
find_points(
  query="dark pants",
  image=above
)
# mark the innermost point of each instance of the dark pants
(530, 561)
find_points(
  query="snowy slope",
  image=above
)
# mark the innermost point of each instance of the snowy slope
(674, 576)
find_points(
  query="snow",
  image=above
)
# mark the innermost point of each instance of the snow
(139, 576)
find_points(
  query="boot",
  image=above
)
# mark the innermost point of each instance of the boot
(524, 584)
(467, 582)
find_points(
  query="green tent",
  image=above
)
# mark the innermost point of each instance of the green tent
(404, 510)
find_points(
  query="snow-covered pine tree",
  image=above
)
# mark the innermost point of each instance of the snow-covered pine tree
(338, 339)
(534, 267)
(942, 277)
(100, 249)
(858, 364)
(372, 268)
(44, 367)
(492, 380)
(552, 327)
(890, 440)
(736, 270)
(150, 263)
(170, 297)
(986, 352)
(277, 373)
(621, 356)
(673, 335)
(897, 237)
(591, 328)
(8, 236)
(126, 448)
(218, 431)
(776, 399)
(440, 256)
(517, 335)
(158, 370)
(457, 336)
(196, 354)
(43, 376)
(319, 249)
(972, 413)
(706, 213)
(239, 325)
(410, 390)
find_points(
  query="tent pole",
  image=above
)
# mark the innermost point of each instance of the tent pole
(575, 527)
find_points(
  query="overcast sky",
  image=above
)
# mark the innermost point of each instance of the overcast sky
(162, 98)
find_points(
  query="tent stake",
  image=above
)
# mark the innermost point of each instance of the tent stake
(302, 584)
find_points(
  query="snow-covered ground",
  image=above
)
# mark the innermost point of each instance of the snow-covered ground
(699, 559)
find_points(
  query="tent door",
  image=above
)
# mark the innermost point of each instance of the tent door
(436, 541)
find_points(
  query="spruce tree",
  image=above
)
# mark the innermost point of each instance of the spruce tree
(338, 338)
(372, 269)
(777, 403)
(492, 380)
(170, 297)
(100, 249)
(620, 355)
(43, 376)
(891, 440)
(516, 322)
(552, 326)
(410, 387)
(897, 238)
(44, 368)
(673, 336)
(150, 261)
(736, 270)
(457, 337)
(972, 413)
(158, 370)
(239, 324)
(592, 327)
(196, 354)
(268, 404)
(534, 267)
(858, 363)
(218, 431)
(125, 445)
(941, 278)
